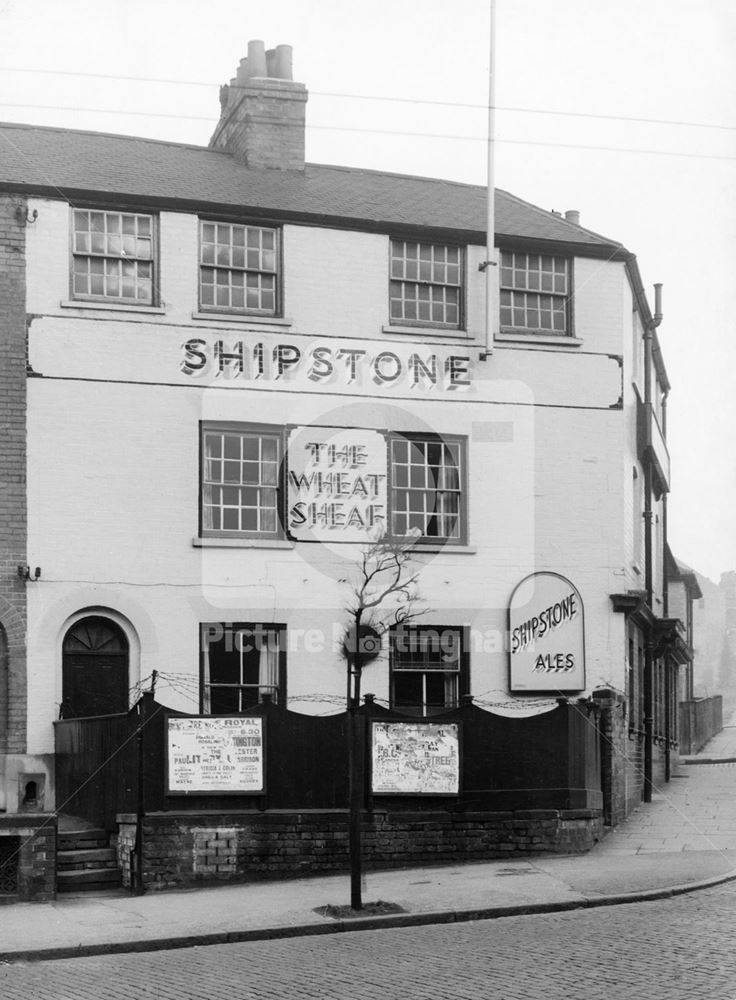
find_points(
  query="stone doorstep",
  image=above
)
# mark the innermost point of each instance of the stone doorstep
(100, 857)
(82, 839)
(68, 881)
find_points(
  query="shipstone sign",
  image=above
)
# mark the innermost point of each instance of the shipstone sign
(215, 755)
(314, 365)
(415, 758)
(546, 635)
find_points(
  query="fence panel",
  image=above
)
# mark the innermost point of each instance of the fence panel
(699, 721)
(96, 767)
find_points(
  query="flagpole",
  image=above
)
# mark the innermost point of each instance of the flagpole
(491, 264)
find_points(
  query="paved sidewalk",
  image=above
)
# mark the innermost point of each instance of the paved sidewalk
(686, 837)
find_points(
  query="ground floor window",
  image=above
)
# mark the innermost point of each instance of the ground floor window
(636, 679)
(672, 677)
(660, 701)
(241, 662)
(429, 670)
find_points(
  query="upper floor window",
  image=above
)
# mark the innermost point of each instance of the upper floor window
(241, 481)
(112, 256)
(427, 475)
(535, 292)
(426, 283)
(238, 268)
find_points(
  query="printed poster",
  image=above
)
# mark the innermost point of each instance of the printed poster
(415, 758)
(215, 755)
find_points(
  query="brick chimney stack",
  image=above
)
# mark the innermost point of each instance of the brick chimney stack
(263, 111)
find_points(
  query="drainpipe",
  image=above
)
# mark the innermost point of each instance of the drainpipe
(667, 720)
(665, 591)
(648, 570)
(670, 673)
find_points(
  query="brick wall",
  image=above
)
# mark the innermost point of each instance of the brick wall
(622, 758)
(124, 843)
(12, 475)
(188, 849)
(36, 857)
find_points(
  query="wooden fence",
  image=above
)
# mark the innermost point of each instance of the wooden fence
(117, 764)
(97, 766)
(699, 721)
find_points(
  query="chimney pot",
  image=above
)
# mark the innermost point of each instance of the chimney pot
(257, 59)
(262, 121)
(241, 76)
(283, 67)
(572, 215)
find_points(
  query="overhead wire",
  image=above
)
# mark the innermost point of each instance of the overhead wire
(393, 132)
(386, 98)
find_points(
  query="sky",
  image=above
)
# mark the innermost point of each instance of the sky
(624, 111)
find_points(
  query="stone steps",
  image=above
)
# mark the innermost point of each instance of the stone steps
(88, 880)
(98, 857)
(86, 862)
(77, 840)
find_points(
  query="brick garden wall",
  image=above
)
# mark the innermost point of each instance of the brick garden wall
(621, 758)
(124, 842)
(195, 848)
(12, 476)
(36, 857)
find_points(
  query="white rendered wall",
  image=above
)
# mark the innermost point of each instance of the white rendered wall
(113, 437)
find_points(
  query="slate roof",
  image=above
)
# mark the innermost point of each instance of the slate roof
(71, 163)
(689, 577)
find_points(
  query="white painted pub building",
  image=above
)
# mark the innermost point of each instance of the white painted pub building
(241, 367)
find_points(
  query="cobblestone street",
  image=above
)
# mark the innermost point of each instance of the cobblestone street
(670, 950)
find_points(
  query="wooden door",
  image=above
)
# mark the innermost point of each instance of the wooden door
(94, 669)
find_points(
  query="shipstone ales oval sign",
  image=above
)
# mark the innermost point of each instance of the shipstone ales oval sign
(546, 635)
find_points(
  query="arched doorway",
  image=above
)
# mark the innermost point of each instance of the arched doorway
(94, 669)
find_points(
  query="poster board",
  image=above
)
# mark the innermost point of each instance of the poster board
(415, 758)
(215, 755)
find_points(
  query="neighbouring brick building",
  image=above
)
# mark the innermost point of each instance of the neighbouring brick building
(240, 367)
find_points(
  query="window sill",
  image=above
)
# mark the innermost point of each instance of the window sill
(455, 550)
(127, 307)
(241, 319)
(284, 543)
(241, 543)
(427, 331)
(517, 337)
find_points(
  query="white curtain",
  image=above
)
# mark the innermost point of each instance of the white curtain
(206, 701)
(268, 664)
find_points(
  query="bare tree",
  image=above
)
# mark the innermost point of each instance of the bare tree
(384, 593)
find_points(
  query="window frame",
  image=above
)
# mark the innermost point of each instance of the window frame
(567, 297)
(273, 431)
(461, 284)
(462, 672)
(443, 439)
(75, 296)
(243, 310)
(278, 697)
